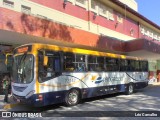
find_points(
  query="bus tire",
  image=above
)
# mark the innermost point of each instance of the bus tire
(130, 89)
(72, 97)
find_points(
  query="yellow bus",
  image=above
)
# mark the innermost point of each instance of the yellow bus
(46, 74)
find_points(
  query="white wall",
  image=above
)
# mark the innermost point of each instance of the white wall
(130, 3)
(38, 10)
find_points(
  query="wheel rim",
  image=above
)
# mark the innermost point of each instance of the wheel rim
(73, 97)
(130, 88)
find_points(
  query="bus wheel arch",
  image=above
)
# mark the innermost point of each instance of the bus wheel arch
(73, 97)
(130, 89)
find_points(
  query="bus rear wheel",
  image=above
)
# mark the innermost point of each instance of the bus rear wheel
(130, 89)
(72, 97)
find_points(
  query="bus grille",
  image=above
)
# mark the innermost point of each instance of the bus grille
(19, 89)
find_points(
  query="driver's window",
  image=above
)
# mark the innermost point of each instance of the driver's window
(52, 68)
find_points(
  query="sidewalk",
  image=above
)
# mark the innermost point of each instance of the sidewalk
(156, 83)
(4, 106)
(2, 103)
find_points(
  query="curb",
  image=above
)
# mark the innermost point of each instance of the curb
(155, 84)
(9, 106)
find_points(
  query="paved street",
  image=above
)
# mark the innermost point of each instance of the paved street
(147, 99)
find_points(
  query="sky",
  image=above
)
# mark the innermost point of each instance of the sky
(150, 9)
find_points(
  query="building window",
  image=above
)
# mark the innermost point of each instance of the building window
(132, 31)
(106, 12)
(150, 34)
(93, 4)
(8, 3)
(102, 10)
(71, 1)
(142, 30)
(155, 37)
(81, 3)
(25, 9)
(119, 18)
(110, 14)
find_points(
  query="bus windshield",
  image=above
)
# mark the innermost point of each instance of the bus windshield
(23, 68)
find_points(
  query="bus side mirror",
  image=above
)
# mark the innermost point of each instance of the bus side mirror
(45, 61)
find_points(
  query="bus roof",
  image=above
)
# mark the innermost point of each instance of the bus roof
(39, 46)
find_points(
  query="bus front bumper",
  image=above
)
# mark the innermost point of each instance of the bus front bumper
(29, 101)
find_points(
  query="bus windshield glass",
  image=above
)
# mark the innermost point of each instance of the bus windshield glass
(23, 68)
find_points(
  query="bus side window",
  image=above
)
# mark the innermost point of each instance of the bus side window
(53, 67)
(144, 65)
(68, 64)
(79, 62)
(100, 66)
(132, 65)
(92, 63)
(124, 65)
(137, 66)
(112, 64)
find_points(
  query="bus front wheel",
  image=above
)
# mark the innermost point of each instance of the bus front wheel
(72, 97)
(130, 89)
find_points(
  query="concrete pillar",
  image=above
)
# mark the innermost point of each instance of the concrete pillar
(158, 70)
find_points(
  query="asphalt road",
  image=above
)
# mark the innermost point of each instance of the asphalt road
(145, 102)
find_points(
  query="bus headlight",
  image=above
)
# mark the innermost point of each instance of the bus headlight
(30, 94)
